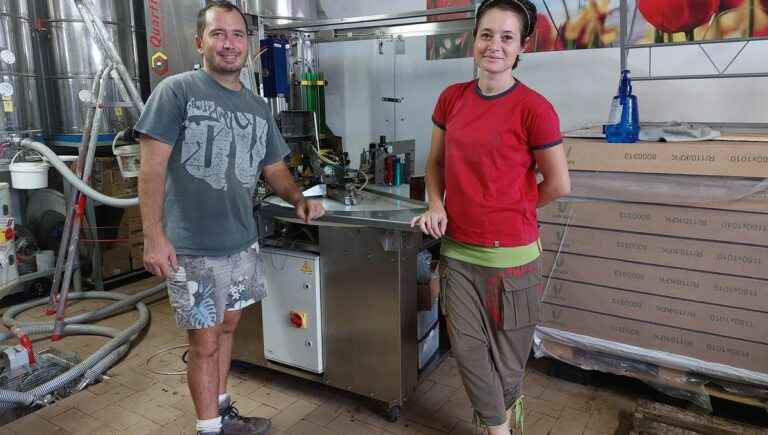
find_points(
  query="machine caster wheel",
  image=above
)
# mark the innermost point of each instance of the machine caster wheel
(393, 414)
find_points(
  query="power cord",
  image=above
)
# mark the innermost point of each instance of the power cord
(164, 350)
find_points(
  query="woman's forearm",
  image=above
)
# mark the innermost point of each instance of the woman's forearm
(551, 189)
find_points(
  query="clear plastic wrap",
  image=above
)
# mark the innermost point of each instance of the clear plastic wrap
(736, 194)
(673, 374)
(662, 189)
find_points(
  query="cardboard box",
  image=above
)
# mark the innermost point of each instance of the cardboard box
(726, 226)
(116, 260)
(703, 287)
(709, 348)
(718, 158)
(116, 225)
(659, 310)
(131, 230)
(137, 256)
(132, 212)
(699, 255)
(110, 181)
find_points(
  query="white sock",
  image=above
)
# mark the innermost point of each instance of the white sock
(212, 425)
(223, 398)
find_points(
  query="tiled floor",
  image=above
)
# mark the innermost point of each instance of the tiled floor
(136, 401)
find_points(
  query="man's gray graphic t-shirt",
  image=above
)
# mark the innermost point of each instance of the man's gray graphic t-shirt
(221, 139)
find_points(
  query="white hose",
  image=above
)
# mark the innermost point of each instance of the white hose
(72, 178)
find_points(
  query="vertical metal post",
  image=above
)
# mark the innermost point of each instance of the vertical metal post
(394, 91)
(623, 34)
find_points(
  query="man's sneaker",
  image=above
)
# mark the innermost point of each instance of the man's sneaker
(232, 423)
(205, 432)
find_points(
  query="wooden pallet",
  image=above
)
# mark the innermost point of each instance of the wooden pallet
(652, 418)
(665, 376)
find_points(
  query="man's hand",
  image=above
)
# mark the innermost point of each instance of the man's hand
(160, 256)
(433, 222)
(308, 210)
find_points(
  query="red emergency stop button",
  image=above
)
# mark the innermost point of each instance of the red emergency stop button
(298, 319)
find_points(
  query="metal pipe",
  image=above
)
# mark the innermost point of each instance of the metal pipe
(317, 132)
(373, 18)
(702, 76)
(405, 30)
(717, 41)
(623, 34)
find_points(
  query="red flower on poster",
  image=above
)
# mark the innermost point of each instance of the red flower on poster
(544, 36)
(673, 16)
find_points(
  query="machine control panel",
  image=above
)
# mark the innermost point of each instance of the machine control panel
(291, 312)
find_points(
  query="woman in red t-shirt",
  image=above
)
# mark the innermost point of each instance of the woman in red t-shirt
(489, 137)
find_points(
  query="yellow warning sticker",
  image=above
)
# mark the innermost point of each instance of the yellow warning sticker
(8, 106)
(306, 267)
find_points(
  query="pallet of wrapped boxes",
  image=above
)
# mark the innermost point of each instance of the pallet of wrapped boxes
(661, 257)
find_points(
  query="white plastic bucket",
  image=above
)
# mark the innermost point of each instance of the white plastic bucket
(127, 158)
(28, 175)
(45, 260)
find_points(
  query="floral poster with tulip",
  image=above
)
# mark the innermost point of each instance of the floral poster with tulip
(666, 21)
(580, 24)
(560, 25)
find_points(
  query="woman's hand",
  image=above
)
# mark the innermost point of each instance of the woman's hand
(432, 222)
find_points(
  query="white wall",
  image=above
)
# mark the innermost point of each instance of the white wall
(579, 83)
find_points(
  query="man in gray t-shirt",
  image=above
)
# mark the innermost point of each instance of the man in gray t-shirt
(205, 141)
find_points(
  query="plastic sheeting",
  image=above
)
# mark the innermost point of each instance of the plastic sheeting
(664, 359)
(662, 189)
(619, 358)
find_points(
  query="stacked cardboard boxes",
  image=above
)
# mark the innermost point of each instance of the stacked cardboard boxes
(107, 179)
(131, 227)
(716, 158)
(691, 281)
(122, 241)
(115, 260)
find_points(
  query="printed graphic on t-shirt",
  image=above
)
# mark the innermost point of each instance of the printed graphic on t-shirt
(212, 134)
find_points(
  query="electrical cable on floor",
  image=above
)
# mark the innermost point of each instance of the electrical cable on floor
(162, 351)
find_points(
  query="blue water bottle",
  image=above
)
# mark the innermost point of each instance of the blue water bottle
(398, 176)
(624, 118)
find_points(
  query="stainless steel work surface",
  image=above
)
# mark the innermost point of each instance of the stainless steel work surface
(380, 210)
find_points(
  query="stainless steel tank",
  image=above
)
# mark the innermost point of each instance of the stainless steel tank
(308, 9)
(73, 59)
(19, 78)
